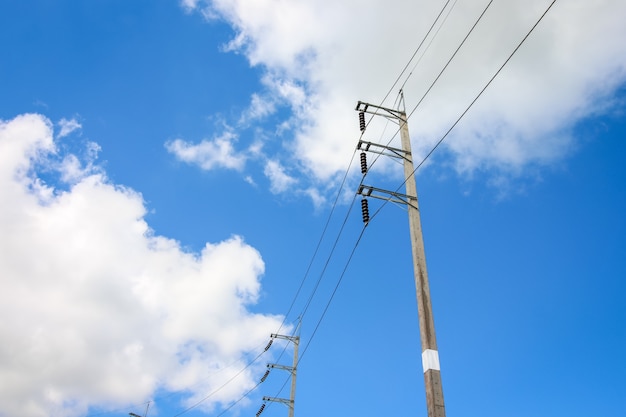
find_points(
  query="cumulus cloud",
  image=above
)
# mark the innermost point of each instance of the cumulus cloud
(101, 312)
(260, 107)
(68, 126)
(280, 181)
(320, 57)
(209, 154)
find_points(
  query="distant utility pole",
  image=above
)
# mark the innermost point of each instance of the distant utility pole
(430, 355)
(291, 369)
(144, 414)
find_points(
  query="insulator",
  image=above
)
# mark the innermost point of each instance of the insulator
(362, 121)
(258, 413)
(264, 377)
(269, 344)
(365, 210)
(363, 163)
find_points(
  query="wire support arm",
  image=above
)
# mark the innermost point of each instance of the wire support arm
(285, 401)
(364, 145)
(281, 367)
(392, 196)
(280, 336)
(365, 108)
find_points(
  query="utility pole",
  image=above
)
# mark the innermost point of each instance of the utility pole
(290, 403)
(430, 355)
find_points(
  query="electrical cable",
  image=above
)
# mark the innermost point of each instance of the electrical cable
(440, 72)
(319, 243)
(171, 394)
(416, 168)
(215, 391)
(445, 135)
(413, 56)
(429, 44)
(416, 51)
(379, 209)
(327, 262)
(419, 60)
(350, 165)
(307, 305)
(319, 322)
(354, 199)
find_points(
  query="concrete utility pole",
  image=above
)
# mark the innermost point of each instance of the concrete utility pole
(430, 355)
(291, 369)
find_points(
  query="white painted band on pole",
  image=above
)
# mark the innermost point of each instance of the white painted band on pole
(430, 360)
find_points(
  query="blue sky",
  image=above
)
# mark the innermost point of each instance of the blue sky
(167, 169)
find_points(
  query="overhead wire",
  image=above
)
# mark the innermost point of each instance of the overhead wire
(347, 171)
(319, 242)
(432, 26)
(308, 303)
(429, 44)
(218, 389)
(344, 179)
(456, 122)
(341, 276)
(334, 246)
(424, 159)
(416, 51)
(432, 84)
(325, 310)
(428, 155)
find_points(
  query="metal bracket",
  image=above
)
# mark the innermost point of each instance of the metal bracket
(369, 191)
(364, 107)
(282, 367)
(392, 152)
(285, 401)
(280, 336)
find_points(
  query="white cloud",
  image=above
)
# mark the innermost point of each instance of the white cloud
(320, 57)
(102, 311)
(68, 126)
(189, 5)
(260, 107)
(209, 154)
(280, 181)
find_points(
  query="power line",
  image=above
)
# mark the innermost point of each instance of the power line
(352, 204)
(429, 44)
(324, 312)
(440, 72)
(215, 391)
(307, 305)
(419, 46)
(445, 135)
(417, 50)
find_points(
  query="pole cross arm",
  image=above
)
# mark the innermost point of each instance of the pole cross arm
(365, 107)
(386, 150)
(279, 366)
(281, 336)
(369, 191)
(285, 401)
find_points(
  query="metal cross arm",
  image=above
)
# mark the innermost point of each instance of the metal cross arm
(392, 152)
(369, 191)
(365, 107)
(280, 336)
(285, 401)
(279, 366)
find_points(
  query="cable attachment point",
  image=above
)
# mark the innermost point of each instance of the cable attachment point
(365, 210)
(363, 163)
(362, 121)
